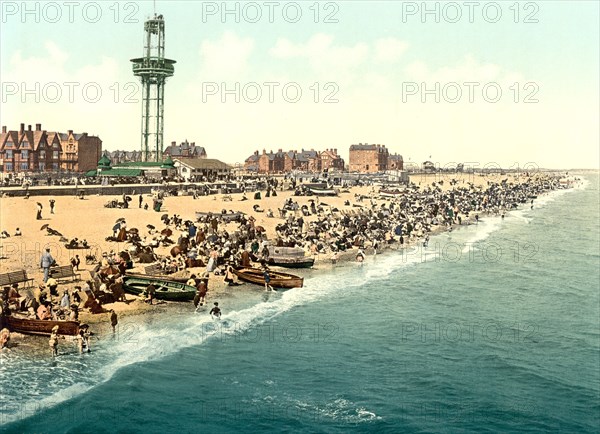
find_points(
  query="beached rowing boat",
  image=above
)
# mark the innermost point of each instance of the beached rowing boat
(164, 289)
(390, 193)
(17, 324)
(289, 257)
(323, 191)
(278, 279)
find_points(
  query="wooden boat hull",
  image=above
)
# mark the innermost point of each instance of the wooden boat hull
(161, 277)
(165, 289)
(305, 262)
(322, 191)
(39, 327)
(278, 279)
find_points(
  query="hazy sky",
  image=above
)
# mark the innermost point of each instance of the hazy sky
(368, 72)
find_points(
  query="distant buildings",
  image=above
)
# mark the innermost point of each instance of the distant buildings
(184, 150)
(30, 151)
(283, 162)
(368, 158)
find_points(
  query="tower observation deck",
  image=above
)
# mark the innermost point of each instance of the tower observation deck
(153, 70)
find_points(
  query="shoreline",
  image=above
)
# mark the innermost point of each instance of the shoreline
(136, 309)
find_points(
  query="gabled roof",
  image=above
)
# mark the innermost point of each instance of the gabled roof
(13, 136)
(177, 150)
(252, 158)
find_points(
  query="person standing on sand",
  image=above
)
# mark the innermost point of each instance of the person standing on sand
(39, 211)
(52, 202)
(141, 200)
(45, 262)
(113, 320)
(201, 293)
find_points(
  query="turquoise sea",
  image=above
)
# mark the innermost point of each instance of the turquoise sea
(493, 327)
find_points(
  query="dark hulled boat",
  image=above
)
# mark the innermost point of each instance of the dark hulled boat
(17, 324)
(291, 262)
(278, 279)
(164, 289)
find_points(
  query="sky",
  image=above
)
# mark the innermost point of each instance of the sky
(510, 84)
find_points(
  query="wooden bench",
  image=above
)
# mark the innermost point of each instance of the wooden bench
(64, 272)
(8, 279)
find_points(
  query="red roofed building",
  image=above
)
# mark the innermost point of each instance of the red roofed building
(28, 150)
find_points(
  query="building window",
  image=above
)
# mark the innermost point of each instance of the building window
(8, 167)
(9, 153)
(42, 155)
(25, 144)
(24, 155)
(24, 166)
(9, 144)
(42, 166)
(55, 155)
(54, 166)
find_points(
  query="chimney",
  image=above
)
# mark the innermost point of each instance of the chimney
(28, 127)
(22, 128)
(280, 150)
(38, 127)
(70, 131)
(173, 143)
(4, 129)
(193, 144)
(335, 151)
(264, 151)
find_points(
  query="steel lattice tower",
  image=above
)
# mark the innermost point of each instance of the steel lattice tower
(153, 69)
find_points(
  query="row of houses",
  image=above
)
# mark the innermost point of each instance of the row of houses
(364, 158)
(304, 160)
(183, 150)
(38, 150)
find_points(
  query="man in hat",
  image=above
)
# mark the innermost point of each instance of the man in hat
(45, 262)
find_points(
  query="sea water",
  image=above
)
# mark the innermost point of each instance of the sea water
(491, 327)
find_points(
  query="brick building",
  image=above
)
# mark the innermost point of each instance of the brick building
(367, 158)
(395, 162)
(27, 151)
(285, 162)
(330, 160)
